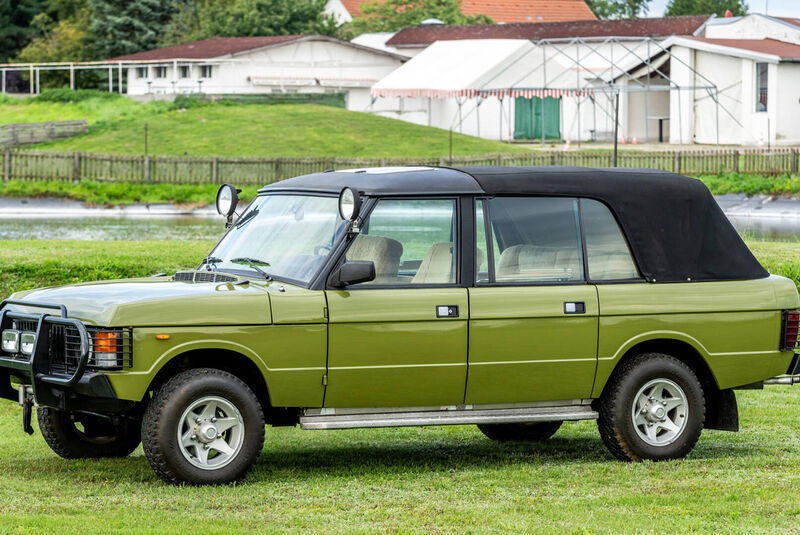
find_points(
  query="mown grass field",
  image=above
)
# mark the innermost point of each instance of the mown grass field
(426, 480)
(116, 125)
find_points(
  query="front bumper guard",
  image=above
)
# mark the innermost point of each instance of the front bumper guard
(48, 388)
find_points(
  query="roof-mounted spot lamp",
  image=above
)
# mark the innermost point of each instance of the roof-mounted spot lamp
(227, 201)
(349, 207)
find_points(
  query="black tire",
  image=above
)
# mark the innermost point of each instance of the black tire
(85, 436)
(616, 421)
(532, 432)
(164, 415)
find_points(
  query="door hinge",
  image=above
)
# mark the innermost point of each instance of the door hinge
(325, 380)
(325, 312)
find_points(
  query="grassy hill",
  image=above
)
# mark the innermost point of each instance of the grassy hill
(116, 125)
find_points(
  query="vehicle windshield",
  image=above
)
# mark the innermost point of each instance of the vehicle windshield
(284, 236)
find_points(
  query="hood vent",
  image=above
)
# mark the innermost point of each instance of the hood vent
(203, 276)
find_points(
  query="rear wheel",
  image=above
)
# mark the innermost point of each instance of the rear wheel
(78, 436)
(203, 426)
(532, 432)
(653, 409)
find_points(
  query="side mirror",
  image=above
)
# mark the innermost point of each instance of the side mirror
(353, 272)
(227, 201)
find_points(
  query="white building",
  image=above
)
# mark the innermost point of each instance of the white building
(680, 79)
(249, 65)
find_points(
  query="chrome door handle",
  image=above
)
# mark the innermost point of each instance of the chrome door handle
(446, 311)
(574, 307)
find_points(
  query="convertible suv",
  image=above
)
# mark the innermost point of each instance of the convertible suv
(511, 298)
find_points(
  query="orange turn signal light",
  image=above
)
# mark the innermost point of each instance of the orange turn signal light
(105, 342)
(163, 337)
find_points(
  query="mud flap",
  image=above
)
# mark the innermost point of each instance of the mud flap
(722, 411)
(27, 414)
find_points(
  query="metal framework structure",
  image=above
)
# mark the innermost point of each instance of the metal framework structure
(637, 54)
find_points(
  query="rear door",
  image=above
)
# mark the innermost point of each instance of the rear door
(534, 319)
(401, 340)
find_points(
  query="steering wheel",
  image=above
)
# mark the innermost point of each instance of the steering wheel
(321, 247)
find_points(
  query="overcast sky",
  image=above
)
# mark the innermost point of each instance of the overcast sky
(778, 8)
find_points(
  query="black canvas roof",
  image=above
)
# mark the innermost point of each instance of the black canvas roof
(676, 230)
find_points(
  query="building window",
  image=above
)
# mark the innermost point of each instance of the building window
(160, 72)
(141, 72)
(185, 71)
(205, 71)
(762, 86)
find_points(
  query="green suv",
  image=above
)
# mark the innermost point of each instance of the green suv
(510, 298)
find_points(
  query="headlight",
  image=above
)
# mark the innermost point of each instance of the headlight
(11, 341)
(26, 343)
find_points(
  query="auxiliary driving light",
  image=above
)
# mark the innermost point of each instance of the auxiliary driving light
(10, 341)
(26, 342)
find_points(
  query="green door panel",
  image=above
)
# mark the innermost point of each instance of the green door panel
(734, 326)
(387, 348)
(523, 347)
(528, 118)
(291, 358)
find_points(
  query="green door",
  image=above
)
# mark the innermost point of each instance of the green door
(528, 118)
(533, 319)
(401, 340)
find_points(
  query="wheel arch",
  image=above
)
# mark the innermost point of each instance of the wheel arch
(722, 411)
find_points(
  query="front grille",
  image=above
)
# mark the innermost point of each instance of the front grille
(203, 276)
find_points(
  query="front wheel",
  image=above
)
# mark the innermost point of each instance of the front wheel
(203, 427)
(75, 435)
(653, 409)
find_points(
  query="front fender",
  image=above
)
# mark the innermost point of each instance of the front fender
(291, 358)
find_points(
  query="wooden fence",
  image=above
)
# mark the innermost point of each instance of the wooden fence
(33, 165)
(13, 135)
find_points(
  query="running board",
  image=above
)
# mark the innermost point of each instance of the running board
(448, 417)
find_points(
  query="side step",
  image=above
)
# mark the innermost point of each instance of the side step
(447, 417)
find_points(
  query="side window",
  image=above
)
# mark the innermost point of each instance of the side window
(607, 253)
(533, 239)
(410, 241)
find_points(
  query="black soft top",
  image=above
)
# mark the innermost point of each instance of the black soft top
(676, 230)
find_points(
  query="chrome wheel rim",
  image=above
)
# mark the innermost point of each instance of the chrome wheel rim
(660, 411)
(211, 433)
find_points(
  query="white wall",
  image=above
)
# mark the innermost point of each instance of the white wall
(787, 103)
(304, 67)
(752, 27)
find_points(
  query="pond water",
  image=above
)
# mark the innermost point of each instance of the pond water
(212, 228)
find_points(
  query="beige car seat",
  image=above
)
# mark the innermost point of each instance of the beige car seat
(385, 253)
(437, 267)
(535, 262)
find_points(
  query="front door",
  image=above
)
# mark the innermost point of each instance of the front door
(401, 340)
(533, 317)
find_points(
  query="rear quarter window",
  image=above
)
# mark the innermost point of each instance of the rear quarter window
(607, 253)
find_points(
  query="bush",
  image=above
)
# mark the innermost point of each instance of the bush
(74, 95)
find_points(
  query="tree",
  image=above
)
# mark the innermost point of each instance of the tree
(392, 15)
(201, 19)
(618, 9)
(122, 27)
(15, 25)
(706, 7)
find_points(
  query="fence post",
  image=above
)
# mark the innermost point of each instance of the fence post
(7, 165)
(76, 166)
(278, 170)
(736, 161)
(215, 170)
(794, 161)
(146, 169)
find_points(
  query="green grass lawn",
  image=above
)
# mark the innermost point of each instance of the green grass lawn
(116, 125)
(416, 480)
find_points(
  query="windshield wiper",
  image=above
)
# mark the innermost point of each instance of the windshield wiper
(247, 217)
(253, 263)
(211, 262)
